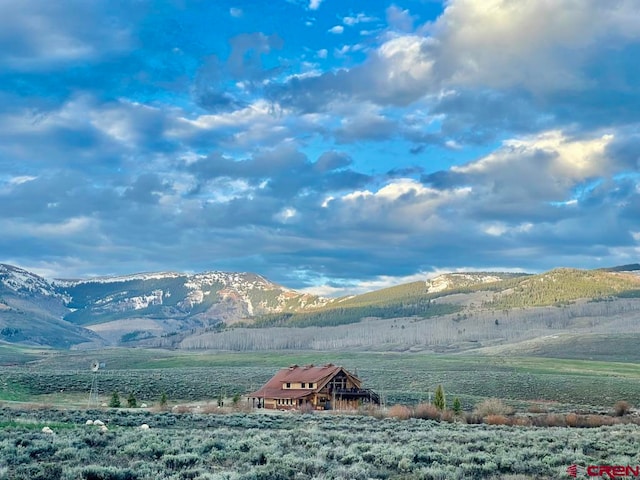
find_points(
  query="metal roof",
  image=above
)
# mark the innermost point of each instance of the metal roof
(319, 376)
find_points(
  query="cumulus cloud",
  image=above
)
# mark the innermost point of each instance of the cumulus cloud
(35, 36)
(399, 19)
(554, 166)
(145, 138)
(541, 46)
(491, 67)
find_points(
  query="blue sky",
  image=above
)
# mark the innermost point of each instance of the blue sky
(335, 146)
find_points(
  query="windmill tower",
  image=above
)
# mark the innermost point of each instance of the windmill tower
(93, 393)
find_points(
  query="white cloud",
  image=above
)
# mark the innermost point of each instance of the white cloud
(21, 179)
(322, 53)
(566, 159)
(359, 18)
(286, 214)
(338, 29)
(315, 4)
(406, 60)
(403, 205)
(498, 229)
(541, 45)
(235, 12)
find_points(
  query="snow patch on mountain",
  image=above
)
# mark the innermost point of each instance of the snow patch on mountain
(454, 280)
(118, 279)
(22, 282)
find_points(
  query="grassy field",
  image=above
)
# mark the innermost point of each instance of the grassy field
(59, 377)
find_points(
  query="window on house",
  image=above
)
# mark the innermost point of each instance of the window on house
(311, 385)
(288, 385)
(303, 385)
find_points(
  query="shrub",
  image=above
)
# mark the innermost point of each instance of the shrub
(621, 408)
(473, 418)
(400, 412)
(43, 471)
(306, 408)
(182, 409)
(550, 420)
(537, 408)
(521, 421)
(131, 401)
(371, 411)
(497, 420)
(599, 420)
(180, 461)
(493, 406)
(426, 411)
(163, 401)
(115, 400)
(448, 416)
(572, 420)
(94, 472)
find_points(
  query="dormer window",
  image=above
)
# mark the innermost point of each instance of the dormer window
(288, 385)
(310, 385)
(303, 385)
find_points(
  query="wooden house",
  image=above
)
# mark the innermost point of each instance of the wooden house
(328, 387)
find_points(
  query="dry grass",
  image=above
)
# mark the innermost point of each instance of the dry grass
(537, 408)
(493, 406)
(372, 411)
(37, 406)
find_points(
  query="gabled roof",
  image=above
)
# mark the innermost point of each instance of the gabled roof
(319, 376)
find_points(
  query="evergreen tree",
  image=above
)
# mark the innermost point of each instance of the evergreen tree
(131, 401)
(439, 400)
(163, 400)
(457, 406)
(115, 400)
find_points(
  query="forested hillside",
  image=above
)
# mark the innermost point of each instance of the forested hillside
(415, 299)
(563, 286)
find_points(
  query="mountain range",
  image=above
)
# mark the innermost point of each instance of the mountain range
(180, 310)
